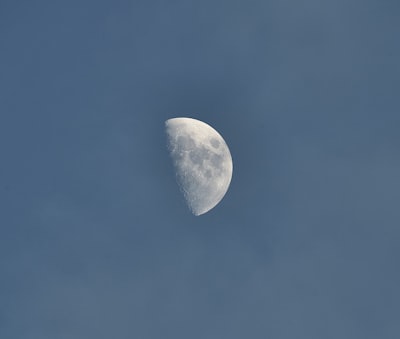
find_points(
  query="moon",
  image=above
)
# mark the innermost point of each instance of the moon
(202, 162)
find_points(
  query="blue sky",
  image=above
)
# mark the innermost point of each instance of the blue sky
(95, 238)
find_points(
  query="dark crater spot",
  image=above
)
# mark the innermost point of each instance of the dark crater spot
(199, 155)
(214, 143)
(217, 160)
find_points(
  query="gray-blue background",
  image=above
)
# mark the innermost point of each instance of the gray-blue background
(95, 239)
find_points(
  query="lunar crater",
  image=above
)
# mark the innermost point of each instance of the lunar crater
(214, 143)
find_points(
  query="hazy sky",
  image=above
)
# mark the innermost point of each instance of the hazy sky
(95, 238)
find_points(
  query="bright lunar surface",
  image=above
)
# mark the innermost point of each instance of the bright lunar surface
(202, 162)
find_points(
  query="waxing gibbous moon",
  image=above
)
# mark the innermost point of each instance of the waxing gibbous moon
(202, 162)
